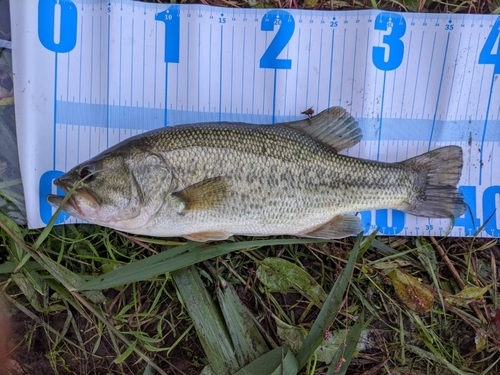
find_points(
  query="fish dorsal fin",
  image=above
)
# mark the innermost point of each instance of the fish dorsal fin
(203, 195)
(334, 127)
(338, 227)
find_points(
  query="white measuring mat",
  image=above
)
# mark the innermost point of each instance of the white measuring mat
(89, 74)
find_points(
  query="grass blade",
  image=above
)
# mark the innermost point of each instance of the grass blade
(247, 340)
(207, 320)
(178, 258)
(342, 358)
(279, 361)
(330, 308)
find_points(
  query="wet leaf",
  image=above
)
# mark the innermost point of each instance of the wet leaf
(468, 295)
(481, 340)
(310, 3)
(281, 275)
(293, 337)
(279, 361)
(411, 292)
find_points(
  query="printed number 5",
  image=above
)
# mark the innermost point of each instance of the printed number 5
(487, 56)
(397, 24)
(286, 24)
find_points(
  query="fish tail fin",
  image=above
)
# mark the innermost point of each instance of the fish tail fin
(436, 193)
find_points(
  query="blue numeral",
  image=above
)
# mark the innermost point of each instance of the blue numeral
(67, 25)
(286, 25)
(398, 221)
(45, 189)
(470, 222)
(397, 24)
(170, 18)
(490, 210)
(487, 56)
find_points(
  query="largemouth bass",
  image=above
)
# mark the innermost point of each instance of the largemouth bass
(210, 181)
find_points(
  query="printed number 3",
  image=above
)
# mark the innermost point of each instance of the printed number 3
(487, 56)
(286, 27)
(397, 24)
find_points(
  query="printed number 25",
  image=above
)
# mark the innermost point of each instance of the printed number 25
(487, 56)
(286, 24)
(396, 47)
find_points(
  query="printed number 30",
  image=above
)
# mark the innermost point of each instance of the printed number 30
(397, 24)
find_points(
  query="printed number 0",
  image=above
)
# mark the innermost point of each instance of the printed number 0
(45, 188)
(487, 56)
(286, 25)
(393, 40)
(66, 40)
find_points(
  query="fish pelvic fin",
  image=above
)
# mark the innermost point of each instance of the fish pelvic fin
(207, 236)
(339, 227)
(334, 127)
(207, 194)
(436, 193)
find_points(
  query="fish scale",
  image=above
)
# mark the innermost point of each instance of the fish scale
(209, 181)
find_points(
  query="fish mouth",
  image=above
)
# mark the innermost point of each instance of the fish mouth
(71, 205)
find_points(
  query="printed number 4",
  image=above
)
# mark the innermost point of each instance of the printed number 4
(395, 54)
(487, 56)
(286, 25)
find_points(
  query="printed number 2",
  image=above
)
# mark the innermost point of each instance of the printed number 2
(60, 37)
(170, 18)
(286, 25)
(487, 56)
(397, 24)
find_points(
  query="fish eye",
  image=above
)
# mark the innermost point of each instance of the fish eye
(86, 173)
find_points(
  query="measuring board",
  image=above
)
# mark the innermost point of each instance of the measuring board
(89, 74)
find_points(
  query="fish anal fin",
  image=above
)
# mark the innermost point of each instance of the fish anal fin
(334, 127)
(207, 236)
(339, 227)
(207, 194)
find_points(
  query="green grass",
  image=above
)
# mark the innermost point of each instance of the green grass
(90, 300)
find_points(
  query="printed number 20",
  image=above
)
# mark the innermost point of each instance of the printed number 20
(397, 24)
(286, 27)
(487, 56)
(65, 41)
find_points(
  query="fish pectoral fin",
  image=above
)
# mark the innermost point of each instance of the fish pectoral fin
(203, 195)
(207, 236)
(338, 227)
(334, 127)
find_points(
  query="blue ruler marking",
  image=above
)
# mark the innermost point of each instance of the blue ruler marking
(493, 76)
(108, 58)
(416, 75)
(439, 89)
(381, 115)
(220, 72)
(331, 70)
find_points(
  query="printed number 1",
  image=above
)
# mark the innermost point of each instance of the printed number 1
(286, 24)
(170, 18)
(487, 56)
(397, 24)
